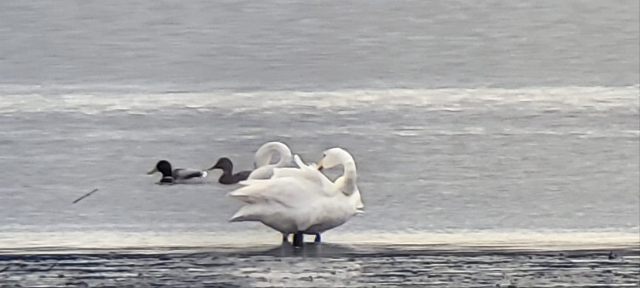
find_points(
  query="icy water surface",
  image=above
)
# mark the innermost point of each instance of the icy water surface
(497, 143)
(428, 160)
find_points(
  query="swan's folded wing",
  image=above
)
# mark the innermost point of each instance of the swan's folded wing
(292, 172)
(276, 216)
(307, 172)
(264, 172)
(288, 191)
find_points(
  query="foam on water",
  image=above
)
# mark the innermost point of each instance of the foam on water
(548, 99)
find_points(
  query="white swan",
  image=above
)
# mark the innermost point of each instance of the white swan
(302, 201)
(264, 168)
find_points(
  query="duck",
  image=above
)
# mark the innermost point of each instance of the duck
(228, 177)
(264, 168)
(302, 200)
(175, 176)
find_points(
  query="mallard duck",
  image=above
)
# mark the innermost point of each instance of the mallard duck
(175, 176)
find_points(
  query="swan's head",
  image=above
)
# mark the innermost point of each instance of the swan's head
(334, 157)
(163, 166)
(223, 163)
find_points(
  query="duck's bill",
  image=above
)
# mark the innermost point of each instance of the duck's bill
(153, 171)
(358, 211)
(212, 167)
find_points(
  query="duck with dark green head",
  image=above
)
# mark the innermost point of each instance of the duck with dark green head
(176, 176)
(228, 177)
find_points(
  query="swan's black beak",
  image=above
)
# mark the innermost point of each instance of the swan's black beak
(320, 166)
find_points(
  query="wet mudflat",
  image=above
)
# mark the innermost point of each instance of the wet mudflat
(322, 266)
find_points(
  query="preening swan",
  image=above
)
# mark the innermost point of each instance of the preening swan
(262, 158)
(228, 177)
(175, 176)
(302, 201)
(264, 168)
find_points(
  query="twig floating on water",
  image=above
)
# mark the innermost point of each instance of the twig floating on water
(85, 196)
(54, 264)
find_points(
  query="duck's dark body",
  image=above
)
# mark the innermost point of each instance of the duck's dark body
(227, 176)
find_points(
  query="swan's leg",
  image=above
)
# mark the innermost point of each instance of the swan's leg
(285, 238)
(298, 239)
(317, 238)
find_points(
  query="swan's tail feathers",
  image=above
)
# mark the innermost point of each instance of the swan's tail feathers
(251, 192)
(298, 161)
(246, 213)
(250, 181)
(301, 164)
(241, 215)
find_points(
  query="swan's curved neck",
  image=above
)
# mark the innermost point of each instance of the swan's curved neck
(350, 177)
(265, 154)
(285, 157)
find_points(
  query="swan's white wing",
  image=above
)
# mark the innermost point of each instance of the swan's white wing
(309, 173)
(289, 192)
(285, 204)
(291, 172)
(264, 172)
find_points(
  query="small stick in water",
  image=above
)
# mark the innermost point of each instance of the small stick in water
(85, 196)
(54, 264)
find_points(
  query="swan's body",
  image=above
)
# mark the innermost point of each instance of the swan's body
(302, 200)
(176, 176)
(264, 168)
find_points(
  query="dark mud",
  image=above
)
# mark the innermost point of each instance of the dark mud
(322, 266)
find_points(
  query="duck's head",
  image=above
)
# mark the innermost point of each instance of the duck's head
(223, 163)
(163, 167)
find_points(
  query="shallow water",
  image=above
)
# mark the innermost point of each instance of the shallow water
(326, 265)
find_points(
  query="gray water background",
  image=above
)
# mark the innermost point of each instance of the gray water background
(461, 115)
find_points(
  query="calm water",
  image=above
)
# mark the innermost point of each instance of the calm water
(500, 117)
